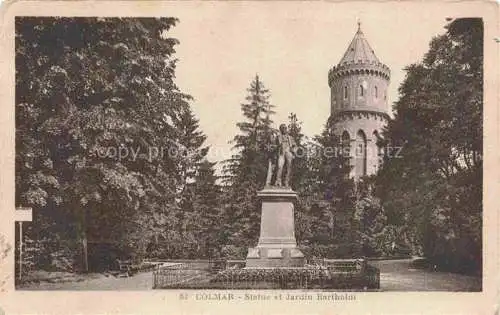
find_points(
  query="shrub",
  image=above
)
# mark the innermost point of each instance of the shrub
(296, 278)
(338, 251)
(285, 277)
(234, 252)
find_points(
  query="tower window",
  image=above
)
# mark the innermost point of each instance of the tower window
(345, 92)
(361, 90)
(376, 92)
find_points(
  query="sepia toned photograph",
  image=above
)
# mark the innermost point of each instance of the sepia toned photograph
(114, 168)
(234, 152)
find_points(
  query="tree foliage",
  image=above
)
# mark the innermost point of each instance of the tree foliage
(325, 214)
(97, 114)
(434, 191)
(246, 170)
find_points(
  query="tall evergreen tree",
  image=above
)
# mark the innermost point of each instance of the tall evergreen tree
(190, 152)
(189, 146)
(247, 169)
(207, 204)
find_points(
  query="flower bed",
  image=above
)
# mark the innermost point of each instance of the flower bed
(295, 278)
(271, 277)
(308, 277)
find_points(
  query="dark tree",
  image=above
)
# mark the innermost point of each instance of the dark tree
(246, 171)
(95, 104)
(434, 191)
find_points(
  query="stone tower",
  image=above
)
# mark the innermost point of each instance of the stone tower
(358, 86)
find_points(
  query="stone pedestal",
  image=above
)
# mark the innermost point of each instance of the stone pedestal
(277, 246)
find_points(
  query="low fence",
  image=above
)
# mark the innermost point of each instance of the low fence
(175, 273)
(324, 274)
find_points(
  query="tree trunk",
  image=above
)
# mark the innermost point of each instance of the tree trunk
(82, 237)
(85, 252)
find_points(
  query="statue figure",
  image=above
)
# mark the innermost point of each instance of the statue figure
(271, 158)
(280, 156)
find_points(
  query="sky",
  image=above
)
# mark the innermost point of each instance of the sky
(291, 46)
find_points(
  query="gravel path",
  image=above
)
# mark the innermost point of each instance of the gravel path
(395, 275)
(140, 281)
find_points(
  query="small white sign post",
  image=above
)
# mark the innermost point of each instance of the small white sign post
(23, 214)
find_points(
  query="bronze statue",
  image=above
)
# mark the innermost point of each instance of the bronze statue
(280, 155)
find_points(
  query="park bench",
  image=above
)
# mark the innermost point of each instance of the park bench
(125, 267)
(217, 265)
(345, 265)
(235, 264)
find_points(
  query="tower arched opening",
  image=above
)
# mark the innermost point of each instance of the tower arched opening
(346, 144)
(360, 154)
(361, 90)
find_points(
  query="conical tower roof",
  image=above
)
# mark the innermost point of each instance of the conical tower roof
(359, 50)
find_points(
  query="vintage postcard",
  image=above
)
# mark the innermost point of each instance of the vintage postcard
(234, 157)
